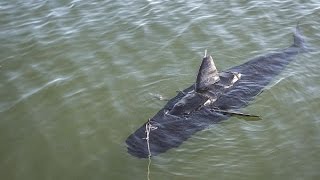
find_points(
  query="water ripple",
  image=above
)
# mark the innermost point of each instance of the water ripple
(76, 78)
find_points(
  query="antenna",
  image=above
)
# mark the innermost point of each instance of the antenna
(205, 53)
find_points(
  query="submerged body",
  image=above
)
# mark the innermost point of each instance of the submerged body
(209, 100)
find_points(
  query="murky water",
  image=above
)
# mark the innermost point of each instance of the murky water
(77, 77)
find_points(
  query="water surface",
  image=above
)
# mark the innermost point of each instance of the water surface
(77, 77)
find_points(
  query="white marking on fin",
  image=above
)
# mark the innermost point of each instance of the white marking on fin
(236, 77)
(207, 102)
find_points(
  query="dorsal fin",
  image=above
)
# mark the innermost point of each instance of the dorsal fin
(207, 75)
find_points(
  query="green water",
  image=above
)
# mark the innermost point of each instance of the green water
(78, 77)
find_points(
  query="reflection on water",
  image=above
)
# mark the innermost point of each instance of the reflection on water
(76, 78)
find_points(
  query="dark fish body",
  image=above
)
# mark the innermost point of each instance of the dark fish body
(205, 102)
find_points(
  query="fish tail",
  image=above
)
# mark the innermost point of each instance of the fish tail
(299, 40)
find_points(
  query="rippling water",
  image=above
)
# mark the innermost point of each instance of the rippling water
(77, 77)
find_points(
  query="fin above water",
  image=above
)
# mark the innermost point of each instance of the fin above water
(299, 40)
(208, 73)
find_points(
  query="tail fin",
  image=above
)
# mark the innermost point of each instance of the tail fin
(298, 39)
